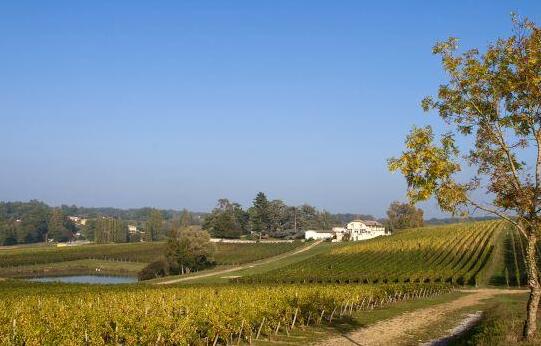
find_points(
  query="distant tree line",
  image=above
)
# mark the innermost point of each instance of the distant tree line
(133, 214)
(270, 218)
(35, 221)
(450, 220)
(32, 222)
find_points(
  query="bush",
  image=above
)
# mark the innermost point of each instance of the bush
(156, 269)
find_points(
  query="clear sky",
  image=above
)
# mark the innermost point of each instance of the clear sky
(174, 104)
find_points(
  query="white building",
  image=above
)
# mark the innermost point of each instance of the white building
(77, 220)
(354, 231)
(339, 233)
(362, 230)
(317, 235)
(132, 229)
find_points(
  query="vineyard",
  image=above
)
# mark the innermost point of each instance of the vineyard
(455, 254)
(226, 253)
(511, 268)
(117, 259)
(34, 314)
(136, 252)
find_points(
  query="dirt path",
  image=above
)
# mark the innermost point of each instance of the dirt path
(241, 267)
(464, 325)
(389, 332)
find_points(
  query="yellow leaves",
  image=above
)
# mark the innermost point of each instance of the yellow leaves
(425, 165)
(493, 97)
(121, 319)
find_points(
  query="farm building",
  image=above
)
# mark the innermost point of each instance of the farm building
(354, 231)
(362, 230)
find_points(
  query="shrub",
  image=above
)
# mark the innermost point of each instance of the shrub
(158, 268)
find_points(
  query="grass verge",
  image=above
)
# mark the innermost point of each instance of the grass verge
(501, 324)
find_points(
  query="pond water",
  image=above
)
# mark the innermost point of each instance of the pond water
(88, 279)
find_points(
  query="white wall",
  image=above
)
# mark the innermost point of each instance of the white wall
(317, 235)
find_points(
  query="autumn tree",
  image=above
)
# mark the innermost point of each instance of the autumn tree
(404, 215)
(494, 100)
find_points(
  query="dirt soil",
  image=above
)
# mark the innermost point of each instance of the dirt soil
(241, 267)
(393, 330)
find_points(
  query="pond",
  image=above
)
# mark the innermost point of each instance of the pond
(88, 279)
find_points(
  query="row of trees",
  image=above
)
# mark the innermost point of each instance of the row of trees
(109, 230)
(273, 218)
(37, 222)
(266, 217)
(33, 222)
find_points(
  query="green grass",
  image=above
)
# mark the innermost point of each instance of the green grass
(501, 324)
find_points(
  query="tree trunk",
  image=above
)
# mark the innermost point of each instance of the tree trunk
(530, 325)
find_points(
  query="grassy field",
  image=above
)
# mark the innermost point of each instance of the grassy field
(460, 253)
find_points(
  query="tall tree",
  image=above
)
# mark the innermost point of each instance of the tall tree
(227, 220)
(185, 218)
(56, 228)
(307, 217)
(119, 231)
(260, 214)
(494, 99)
(404, 215)
(278, 216)
(326, 220)
(154, 226)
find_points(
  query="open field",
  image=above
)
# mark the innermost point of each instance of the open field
(460, 253)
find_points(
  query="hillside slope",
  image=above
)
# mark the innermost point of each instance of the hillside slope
(460, 253)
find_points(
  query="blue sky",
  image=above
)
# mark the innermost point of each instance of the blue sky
(175, 104)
